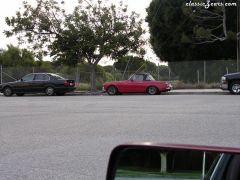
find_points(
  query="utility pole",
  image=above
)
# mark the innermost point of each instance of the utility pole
(169, 74)
(1, 69)
(77, 78)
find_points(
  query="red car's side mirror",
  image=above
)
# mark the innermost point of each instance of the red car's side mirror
(149, 161)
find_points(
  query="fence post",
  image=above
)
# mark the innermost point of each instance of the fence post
(125, 68)
(198, 77)
(77, 78)
(169, 74)
(1, 71)
(204, 71)
(114, 75)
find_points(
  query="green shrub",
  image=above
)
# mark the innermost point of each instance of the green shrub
(181, 85)
(87, 87)
(83, 87)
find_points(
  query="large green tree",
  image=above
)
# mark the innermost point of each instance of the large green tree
(14, 56)
(183, 33)
(93, 31)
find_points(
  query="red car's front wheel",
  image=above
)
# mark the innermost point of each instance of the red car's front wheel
(112, 90)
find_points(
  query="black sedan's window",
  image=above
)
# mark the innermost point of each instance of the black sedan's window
(41, 77)
(57, 77)
(28, 77)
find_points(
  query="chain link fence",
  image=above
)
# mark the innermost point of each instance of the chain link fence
(191, 74)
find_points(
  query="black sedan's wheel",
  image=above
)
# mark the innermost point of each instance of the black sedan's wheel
(235, 87)
(20, 94)
(112, 90)
(152, 90)
(49, 91)
(7, 91)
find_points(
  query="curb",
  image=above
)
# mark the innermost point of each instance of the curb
(198, 93)
(174, 92)
(86, 93)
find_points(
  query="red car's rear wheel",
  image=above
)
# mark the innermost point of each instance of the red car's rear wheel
(152, 90)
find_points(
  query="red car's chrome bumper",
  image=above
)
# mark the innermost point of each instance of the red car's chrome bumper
(169, 87)
(103, 89)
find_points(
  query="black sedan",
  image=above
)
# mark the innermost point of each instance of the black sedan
(47, 83)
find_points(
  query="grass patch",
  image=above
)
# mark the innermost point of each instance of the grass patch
(83, 87)
(87, 87)
(182, 85)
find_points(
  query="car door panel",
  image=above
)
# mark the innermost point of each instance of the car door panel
(40, 82)
(124, 86)
(25, 84)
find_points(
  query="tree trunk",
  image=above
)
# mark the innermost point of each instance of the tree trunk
(224, 22)
(93, 78)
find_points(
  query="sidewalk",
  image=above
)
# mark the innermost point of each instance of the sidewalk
(198, 92)
(173, 92)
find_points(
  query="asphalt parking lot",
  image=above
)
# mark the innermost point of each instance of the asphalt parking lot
(71, 137)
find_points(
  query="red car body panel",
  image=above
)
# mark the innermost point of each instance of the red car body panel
(135, 86)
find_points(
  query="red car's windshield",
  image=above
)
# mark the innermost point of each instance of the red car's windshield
(141, 77)
(149, 77)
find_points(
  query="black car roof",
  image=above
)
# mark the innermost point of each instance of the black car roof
(38, 73)
(44, 73)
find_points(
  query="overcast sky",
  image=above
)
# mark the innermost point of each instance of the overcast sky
(9, 7)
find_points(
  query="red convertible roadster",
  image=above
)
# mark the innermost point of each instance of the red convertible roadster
(137, 83)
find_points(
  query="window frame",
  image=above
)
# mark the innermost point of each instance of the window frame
(43, 75)
(28, 75)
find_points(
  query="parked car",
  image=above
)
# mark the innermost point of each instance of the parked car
(137, 83)
(231, 82)
(47, 83)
